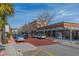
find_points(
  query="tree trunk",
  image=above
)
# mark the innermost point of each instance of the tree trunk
(4, 38)
(0, 37)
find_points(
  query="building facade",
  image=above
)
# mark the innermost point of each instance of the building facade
(62, 30)
(34, 25)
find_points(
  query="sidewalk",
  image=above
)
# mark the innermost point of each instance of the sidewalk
(9, 48)
(17, 49)
(68, 43)
(14, 49)
(11, 40)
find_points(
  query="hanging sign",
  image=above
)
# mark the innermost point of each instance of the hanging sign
(7, 28)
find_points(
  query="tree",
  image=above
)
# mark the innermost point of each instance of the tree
(6, 9)
(45, 16)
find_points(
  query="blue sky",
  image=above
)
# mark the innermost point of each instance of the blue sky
(25, 13)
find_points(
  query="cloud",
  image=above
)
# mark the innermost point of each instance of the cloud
(23, 16)
(61, 12)
(65, 14)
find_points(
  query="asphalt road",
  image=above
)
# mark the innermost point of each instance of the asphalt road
(56, 50)
(59, 50)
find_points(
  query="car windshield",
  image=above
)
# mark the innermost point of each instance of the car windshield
(19, 35)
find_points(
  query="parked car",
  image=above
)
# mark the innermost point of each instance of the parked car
(19, 38)
(41, 36)
(25, 35)
(14, 36)
(34, 36)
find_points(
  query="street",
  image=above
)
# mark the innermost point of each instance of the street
(59, 50)
(33, 29)
(55, 48)
(39, 42)
(37, 47)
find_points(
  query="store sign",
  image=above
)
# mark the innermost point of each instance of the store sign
(7, 28)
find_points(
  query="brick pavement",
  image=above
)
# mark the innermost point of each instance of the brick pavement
(11, 40)
(39, 42)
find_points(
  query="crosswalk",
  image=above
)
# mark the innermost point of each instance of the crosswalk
(28, 49)
(35, 52)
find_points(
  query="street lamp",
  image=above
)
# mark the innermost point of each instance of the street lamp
(6, 29)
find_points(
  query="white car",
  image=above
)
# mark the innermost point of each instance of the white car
(34, 36)
(41, 36)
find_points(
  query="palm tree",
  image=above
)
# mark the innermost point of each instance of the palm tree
(6, 9)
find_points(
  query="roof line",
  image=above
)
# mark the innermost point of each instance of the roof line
(63, 22)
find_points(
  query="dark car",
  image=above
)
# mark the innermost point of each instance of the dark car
(14, 36)
(25, 35)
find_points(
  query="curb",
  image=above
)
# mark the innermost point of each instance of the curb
(69, 46)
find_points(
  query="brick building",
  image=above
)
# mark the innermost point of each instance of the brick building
(62, 30)
(34, 25)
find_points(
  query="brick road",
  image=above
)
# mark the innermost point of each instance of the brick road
(34, 41)
(39, 42)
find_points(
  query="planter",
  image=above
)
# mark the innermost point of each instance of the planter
(4, 41)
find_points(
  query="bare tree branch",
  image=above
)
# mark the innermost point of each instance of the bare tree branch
(45, 16)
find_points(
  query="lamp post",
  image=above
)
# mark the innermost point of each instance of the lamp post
(6, 29)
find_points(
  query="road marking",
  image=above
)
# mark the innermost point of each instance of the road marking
(37, 51)
(19, 53)
(42, 50)
(49, 53)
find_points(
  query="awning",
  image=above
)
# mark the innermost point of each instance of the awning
(60, 28)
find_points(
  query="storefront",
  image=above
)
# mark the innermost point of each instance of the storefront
(63, 30)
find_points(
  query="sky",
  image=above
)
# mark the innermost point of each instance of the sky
(28, 12)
